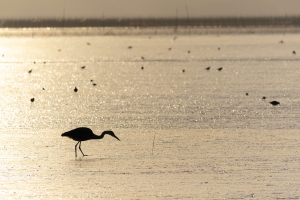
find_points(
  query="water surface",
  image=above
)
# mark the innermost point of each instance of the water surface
(186, 135)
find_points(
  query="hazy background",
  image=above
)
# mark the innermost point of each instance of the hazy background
(146, 8)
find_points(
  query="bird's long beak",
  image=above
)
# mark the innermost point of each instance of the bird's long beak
(116, 137)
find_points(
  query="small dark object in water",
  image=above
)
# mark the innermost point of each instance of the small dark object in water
(30, 71)
(264, 97)
(88, 43)
(170, 49)
(32, 99)
(59, 49)
(34, 62)
(83, 133)
(91, 80)
(189, 51)
(142, 58)
(220, 68)
(183, 70)
(219, 48)
(247, 94)
(281, 41)
(43, 88)
(142, 67)
(44, 62)
(207, 68)
(94, 84)
(274, 103)
(294, 52)
(75, 89)
(129, 47)
(82, 67)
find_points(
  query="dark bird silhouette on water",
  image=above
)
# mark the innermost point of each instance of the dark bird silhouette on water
(183, 70)
(30, 71)
(82, 67)
(247, 94)
(294, 52)
(189, 52)
(75, 89)
(83, 133)
(142, 68)
(170, 49)
(207, 68)
(129, 47)
(264, 97)
(94, 84)
(274, 103)
(220, 68)
(32, 99)
(142, 58)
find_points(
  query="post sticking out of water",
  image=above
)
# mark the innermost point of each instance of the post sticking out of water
(153, 143)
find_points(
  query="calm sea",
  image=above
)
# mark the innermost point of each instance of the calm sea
(186, 132)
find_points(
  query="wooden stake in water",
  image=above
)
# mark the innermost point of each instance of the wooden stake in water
(153, 143)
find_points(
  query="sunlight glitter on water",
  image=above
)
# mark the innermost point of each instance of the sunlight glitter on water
(208, 138)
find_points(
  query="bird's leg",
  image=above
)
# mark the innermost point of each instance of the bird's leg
(80, 149)
(76, 149)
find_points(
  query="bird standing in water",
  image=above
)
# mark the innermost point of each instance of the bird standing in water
(83, 133)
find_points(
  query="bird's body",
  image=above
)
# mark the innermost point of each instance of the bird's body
(274, 103)
(220, 68)
(83, 133)
(207, 68)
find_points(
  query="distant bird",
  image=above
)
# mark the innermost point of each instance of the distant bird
(189, 52)
(142, 58)
(30, 71)
(247, 94)
(88, 43)
(274, 103)
(129, 47)
(142, 67)
(34, 62)
(94, 84)
(59, 49)
(43, 88)
(207, 68)
(75, 89)
(294, 52)
(263, 97)
(220, 68)
(219, 48)
(44, 62)
(83, 133)
(82, 67)
(170, 49)
(183, 70)
(281, 41)
(32, 99)
(91, 80)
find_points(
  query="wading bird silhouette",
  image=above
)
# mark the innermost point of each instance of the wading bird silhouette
(83, 133)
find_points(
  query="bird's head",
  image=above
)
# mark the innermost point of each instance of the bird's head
(111, 134)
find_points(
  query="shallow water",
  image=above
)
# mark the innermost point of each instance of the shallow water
(184, 135)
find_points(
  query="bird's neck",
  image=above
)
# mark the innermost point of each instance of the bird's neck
(96, 137)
